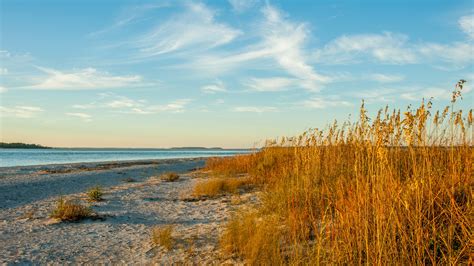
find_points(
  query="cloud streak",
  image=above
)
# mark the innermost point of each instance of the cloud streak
(217, 87)
(318, 102)
(195, 29)
(20, 111)
(396, 49)
(116, 103)
(254, 109)
(84, 117)
(280, 41)
(466, 23)
(383, 48)
(83, 79)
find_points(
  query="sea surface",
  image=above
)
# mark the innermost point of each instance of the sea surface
(22, 157)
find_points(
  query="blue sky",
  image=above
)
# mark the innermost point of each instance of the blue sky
(219, 73)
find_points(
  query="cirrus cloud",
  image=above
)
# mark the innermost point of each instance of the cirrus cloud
(84, 117)
(83, 79)
(20, 111)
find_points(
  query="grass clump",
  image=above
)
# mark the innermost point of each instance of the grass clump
(95, 194)
(215, 187)
(169, 177)
(162, 235)
(255, 237)
(395, 188)
(70, 211)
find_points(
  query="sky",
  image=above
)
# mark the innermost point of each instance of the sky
(220, 73)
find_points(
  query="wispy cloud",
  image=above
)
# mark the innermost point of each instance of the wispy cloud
(458, 53)
(254, 109)
(280, 40)
(177, 106)
(3, 89)
(129, 16)
(3, 71)
(83, 79)
(271, 84)
(84, 106)
(218, 86)
(466, 23)
(393, 48)
(20, 111)
(377, 95)
(406, 92)
(242, 5)
(122, 104)
(84, 117)
(384, 48)
(385, 78)
(318, 102)
(285, 39)
(194, 29)
(417, 94)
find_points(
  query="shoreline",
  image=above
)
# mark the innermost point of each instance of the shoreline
(130, 210)
(25, 184)
(111, 162)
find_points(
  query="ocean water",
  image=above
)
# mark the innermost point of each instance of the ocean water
(22, 157)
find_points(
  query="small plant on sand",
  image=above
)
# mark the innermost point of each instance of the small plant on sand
(95, 194)
(161, 235)
(215, 187)
(169, 177)
(70, 211)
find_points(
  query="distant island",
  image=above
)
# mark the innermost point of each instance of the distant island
(196, 148)
(18, 145)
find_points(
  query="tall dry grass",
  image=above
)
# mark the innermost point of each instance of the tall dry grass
(394, 189)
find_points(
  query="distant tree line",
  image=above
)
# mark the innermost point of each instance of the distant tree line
(17, 145)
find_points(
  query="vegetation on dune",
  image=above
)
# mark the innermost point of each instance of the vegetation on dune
(215, 187)
(70, 211)
(395, 189)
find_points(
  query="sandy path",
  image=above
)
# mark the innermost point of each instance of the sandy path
(132, 209)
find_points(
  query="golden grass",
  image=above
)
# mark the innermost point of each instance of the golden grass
(95, 194)
(394, 189)
(70, 211)
(255, 237)
(169, 177)
(162, 235)
(214, 187)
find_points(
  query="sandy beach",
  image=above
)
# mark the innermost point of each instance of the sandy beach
(128, 212)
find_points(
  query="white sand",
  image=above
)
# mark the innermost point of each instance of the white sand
(28, 235)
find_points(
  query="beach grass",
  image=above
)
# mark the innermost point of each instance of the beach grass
(391, 189)
(162, 235)
(169, 177)
(215, 187)
(70, 211)
(95, 194)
